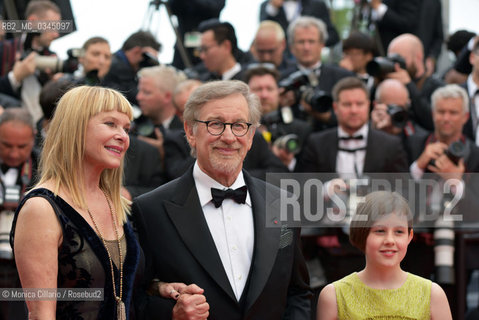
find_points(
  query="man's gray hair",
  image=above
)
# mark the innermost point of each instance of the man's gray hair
(17, 115)
(305, 22)
(448, 92)
(216, 90)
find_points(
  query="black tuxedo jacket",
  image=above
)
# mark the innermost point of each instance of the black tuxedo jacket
(468, 129)
(384, 153)
(314, 8)
(178, 247)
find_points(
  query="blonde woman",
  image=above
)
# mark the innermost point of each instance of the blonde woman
(71, 230)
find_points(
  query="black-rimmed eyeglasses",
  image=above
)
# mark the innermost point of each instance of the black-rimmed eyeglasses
(216, 127)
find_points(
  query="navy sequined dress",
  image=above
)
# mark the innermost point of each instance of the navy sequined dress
(83, 262)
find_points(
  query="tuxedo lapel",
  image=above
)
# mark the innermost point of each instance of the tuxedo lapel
(369, 160)
(331, 151)
(266, 242)
(187, 216)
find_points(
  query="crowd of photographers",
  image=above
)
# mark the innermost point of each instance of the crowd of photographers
(367, 113)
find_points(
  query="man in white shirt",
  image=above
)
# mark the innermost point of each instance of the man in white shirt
(208, 227)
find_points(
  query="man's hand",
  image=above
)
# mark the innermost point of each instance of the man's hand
(400, 74)
(380, 118)
(446, 169)
(286, 98)
(346, 63)
(24, 68)
(284, 155)
(432, 152)
(173, 290)
(157, 143)
(191, 306)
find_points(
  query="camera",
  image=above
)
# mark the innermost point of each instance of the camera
(55, 64)
(280, 137)
(289, 142)
(9, 200)
(302, 84)
(379, 67)
(149, 60)
(455, 152)
(142, 126)
(398, 114)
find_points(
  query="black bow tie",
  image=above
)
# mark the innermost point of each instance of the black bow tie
(4, 167)
(238, 195)
(359, 137)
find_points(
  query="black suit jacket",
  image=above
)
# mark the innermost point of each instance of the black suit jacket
(384, 153)
(176, 123)
(468, 129)
(401, 17)
(122, 77)
(429, 28)
(178, 246)
(314, 8)
(143, 168)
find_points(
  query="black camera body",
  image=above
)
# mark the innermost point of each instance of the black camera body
(274, 121)
(455, 152)
(300, 83)
(379, 67)
(148, 60)
(399, 115)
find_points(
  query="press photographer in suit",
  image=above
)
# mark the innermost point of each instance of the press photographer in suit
(189, 234)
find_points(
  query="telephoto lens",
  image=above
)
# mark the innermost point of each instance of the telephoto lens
(444, 251)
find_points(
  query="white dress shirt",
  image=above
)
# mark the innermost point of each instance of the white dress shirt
(229, 74)
(474, 113)
(351, 164)
(231, 226)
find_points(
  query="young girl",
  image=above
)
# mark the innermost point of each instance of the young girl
(382, 229)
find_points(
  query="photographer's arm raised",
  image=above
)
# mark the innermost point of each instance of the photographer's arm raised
(38, 235)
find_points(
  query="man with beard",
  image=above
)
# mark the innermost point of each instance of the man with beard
(209, 226)
(419, 85)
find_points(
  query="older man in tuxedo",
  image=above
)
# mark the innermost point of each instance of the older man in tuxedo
(208, 227)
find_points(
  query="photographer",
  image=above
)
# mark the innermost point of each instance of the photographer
(22, 75)
(391, 113)
(18, 172)
(155, 98)
(414, 76)
(95, 61)
(447, 155)
(450, 111)
(285, 133)
(139, 50)
(358, 49)
(307, 37)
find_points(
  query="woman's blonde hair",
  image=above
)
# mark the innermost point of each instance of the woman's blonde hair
(64, 147)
